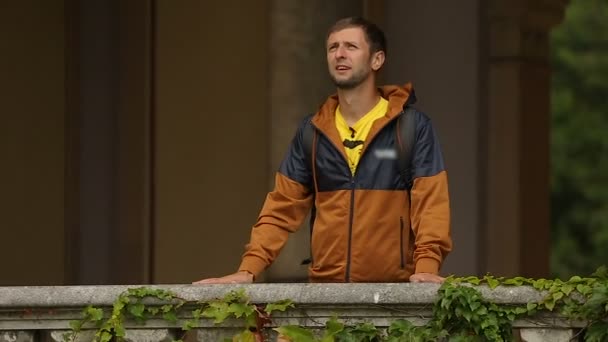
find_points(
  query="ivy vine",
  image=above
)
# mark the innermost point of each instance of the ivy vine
(460, 313)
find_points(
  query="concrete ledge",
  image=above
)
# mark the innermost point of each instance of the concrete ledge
(360, 294)
(47, 311)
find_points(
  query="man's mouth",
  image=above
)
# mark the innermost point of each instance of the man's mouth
(342, 68)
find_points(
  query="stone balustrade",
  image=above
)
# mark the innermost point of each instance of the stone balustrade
(29, 314)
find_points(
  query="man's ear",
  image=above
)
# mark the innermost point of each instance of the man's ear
(377, 60)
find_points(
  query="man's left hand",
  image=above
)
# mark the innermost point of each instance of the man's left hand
(426, 278)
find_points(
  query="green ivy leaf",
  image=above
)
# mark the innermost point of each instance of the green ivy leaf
(597, 332)
(245, 336)
(601, 273)
(296, 333)
(119, 331)
(492, 282)
(472, 280)
(236, 296)
(531, 306)
(153, 310)
(567, 289)
(251, 321)
(93, 314)
(539, 284)
(76, 325)
(467, 315)
(170, 317)
(137, 310)
(120, 303)
(520, 310)
(361, 332)
(474, 305)
(517, 281)
(240, 309)
(105, 336)
(189, 325)
(399, 327)
(278, 306)
(197, 314)
(557, 296)
(333, 327)
(218, 311)
(583, 289)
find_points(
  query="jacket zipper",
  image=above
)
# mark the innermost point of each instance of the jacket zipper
(350, 227)
(401, 242)
(352, 203)
(351, 213)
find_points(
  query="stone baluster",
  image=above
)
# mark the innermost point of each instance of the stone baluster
(17, 336)
(149, 335)
(60, 336)
(131, 335)
(542, 334)
(216, 334)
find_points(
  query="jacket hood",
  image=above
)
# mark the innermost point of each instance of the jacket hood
(398, 98)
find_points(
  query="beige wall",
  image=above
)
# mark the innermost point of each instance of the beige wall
(227, 93)
(437, 48)
(211, 134)
(32, 142)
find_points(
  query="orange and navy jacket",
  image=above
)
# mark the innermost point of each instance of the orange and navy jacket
(369, 227)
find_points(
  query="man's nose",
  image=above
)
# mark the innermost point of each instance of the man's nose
(340, 52)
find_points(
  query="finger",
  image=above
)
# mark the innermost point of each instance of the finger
(436, 279)
(207, 281)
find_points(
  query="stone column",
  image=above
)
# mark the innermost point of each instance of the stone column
(299, 83)
(517, 135)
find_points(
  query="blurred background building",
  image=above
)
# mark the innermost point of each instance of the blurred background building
(139, 138)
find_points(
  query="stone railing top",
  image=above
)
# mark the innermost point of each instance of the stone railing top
(334, 294)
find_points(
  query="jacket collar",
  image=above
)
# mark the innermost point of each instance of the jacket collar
(397, 96)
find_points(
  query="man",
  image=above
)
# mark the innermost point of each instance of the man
(369, 225)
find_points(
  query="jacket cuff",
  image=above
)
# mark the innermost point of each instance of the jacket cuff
(253, 265)
(427, 265)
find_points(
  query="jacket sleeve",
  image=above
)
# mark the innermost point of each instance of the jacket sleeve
(284, 209)
(430, 202)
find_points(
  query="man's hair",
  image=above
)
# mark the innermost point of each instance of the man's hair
(373, 34)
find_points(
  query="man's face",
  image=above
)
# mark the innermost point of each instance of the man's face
(348, 58)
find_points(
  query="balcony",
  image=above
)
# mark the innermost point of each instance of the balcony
(29, 314)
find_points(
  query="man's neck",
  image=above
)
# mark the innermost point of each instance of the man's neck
(355, 103)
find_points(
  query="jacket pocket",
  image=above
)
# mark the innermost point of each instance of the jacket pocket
(401, 232)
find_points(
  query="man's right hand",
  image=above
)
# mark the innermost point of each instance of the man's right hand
(241, 277)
